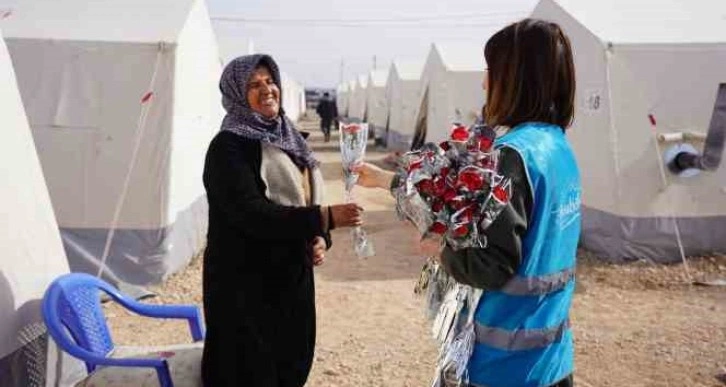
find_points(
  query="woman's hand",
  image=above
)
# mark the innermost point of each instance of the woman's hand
(346, 215)
(318, 250)
(371, 176)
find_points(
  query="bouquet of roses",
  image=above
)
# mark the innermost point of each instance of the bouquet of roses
(453, 189)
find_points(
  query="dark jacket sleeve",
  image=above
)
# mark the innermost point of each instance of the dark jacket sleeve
(491, 267)
(328, 240)
(235, 187)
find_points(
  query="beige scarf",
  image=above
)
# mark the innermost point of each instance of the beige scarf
(286, 184)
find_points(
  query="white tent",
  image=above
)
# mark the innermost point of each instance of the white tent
(341, 99)
(293, 97)
(31, 252)
(376, 103)
(300, 99)
(403, 94)
(352, 84)
(633, 59)
(451, 90)
(357, 105)
(231, 44)
(122, 100)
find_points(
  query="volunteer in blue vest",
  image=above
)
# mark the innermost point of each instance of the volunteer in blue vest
(523, 335)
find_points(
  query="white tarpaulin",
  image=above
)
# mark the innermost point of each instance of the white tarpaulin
(31, 253)
(122, 100)
(403, 94)
(293, 97)
(349, 98)
(635, 59)
(451, 90)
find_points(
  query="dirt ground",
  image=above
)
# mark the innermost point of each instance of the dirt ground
(635, 325)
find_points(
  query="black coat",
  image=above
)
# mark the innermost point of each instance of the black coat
(258, 280)
(327, 109)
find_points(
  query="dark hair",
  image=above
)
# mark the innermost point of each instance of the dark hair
(531, 75)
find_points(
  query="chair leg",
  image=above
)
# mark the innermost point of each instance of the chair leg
(164, 375)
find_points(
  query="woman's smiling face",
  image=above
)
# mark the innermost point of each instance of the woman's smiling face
(263, 95)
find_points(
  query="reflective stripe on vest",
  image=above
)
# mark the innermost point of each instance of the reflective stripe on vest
(522, 339)
(534, 286)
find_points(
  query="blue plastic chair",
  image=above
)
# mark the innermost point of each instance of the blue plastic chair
(72, 312)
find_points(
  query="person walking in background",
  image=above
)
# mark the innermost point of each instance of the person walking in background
(328, 111)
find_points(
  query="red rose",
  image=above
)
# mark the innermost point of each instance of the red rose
(445, 145)
(437, 206)
(488, 163)
(425, 186)
(439, 185)
(485, 144)
(438, 228)
(500, 193)
(459, 203)
(351, 128)
(460, 133)
(444, 172)
(461, 231)
(449, 194)
(467, 215)
(415, 165)
(472, 180)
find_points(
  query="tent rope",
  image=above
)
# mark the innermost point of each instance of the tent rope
(139, 134)
(664, 179)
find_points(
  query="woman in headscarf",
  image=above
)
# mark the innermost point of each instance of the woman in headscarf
(267, 230)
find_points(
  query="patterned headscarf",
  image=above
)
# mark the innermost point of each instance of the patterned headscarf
(243, 121)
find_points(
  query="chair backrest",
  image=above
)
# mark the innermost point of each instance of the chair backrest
(72, 305)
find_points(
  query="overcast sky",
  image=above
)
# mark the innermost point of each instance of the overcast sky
(310, 38)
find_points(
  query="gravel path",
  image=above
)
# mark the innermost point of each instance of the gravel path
(635, 325)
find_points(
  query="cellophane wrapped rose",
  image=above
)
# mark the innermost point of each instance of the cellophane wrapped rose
(353, 140)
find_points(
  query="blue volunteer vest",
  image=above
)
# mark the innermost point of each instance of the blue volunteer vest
(523, 337)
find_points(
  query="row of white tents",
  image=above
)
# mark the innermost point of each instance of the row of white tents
(418, 98)
(107, 108)
(634, 60)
